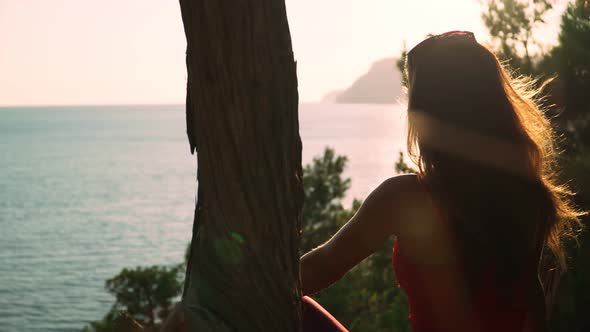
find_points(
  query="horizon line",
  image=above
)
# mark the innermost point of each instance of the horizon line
(119, 104)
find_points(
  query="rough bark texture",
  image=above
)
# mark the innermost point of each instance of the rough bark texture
(243, 271)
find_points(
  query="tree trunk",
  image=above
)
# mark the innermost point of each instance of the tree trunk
(243, 270)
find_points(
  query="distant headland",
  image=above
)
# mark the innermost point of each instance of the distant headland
(380, 85)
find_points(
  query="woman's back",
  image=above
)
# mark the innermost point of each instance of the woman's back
(430, 269)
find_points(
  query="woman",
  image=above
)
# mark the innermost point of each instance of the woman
(471, 225)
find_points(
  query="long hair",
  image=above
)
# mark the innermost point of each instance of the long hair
(487, 152)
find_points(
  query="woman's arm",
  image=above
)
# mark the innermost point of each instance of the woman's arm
(375, 221)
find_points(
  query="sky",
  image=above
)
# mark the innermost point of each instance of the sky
(76, 52)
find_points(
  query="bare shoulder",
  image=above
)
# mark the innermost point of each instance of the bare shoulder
(403, 190)
(400, 198)
(404, 182)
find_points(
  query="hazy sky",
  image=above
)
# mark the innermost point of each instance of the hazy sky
(63, 52)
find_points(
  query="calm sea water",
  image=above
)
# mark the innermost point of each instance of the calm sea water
(87, 191)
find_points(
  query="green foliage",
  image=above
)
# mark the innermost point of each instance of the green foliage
(511, 24)
(324, 188)
(574, 37)
(401, 167)
(401, 66)
(145, 293)
(570, 60)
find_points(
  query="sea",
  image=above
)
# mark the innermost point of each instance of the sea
(86, 191)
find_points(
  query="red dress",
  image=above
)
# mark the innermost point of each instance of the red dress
(434, 302)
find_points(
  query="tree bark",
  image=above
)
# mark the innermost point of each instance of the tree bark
(243, 269)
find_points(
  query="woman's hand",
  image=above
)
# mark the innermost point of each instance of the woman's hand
(177, 321)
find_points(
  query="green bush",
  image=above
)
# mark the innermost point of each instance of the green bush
(144, 293)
